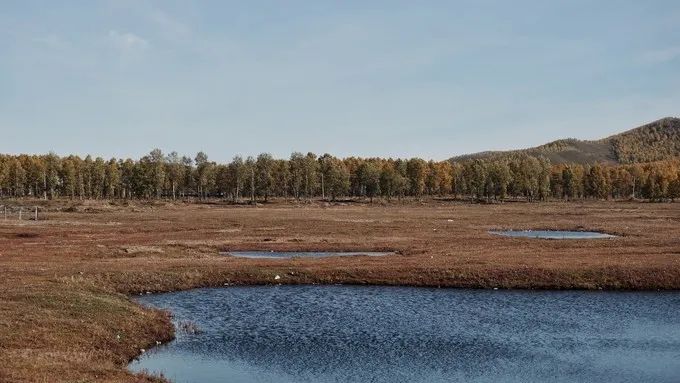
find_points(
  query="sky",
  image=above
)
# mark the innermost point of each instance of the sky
(388, 78)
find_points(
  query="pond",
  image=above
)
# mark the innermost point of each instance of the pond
(551, 234)
(303, 254)
(402, 334)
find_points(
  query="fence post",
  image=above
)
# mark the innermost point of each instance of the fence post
(5, 209)
(36, 214)
(20, 211)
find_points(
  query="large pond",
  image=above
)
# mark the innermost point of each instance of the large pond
(552, 234)
(399, 334)
(303, 254)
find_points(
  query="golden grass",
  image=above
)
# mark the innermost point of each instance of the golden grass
(65, 314)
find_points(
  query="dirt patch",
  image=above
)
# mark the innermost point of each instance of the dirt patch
(143, 249)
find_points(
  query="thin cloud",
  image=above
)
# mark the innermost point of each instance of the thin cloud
(51, 41)
(127, 40)
(661, 56)
(170, 27)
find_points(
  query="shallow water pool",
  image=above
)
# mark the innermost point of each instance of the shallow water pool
(400, 334)
(552, 234)
(303, 254)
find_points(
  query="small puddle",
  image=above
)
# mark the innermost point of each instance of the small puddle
(304, 254)
(551, 234)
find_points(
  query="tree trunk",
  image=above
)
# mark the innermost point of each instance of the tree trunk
(252, 186)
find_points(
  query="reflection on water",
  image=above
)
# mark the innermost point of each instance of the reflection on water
(399, 334)
(552, 234)
(303, 254)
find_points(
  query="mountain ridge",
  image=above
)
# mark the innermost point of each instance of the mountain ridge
(657, 140)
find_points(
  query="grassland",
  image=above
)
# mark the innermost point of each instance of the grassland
(66, 281)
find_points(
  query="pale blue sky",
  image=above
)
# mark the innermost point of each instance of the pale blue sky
(368, 78)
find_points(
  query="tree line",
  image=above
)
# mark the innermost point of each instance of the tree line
(307, 176)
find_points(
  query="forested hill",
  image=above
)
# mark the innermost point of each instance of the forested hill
(655, 141)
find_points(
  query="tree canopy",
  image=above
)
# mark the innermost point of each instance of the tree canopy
(306, 176)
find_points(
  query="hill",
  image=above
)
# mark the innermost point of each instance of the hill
(655, 141)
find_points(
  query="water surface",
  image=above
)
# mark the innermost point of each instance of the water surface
(303, 254)
(552, 234)
(398, 334)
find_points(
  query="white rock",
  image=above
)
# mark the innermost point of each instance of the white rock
(277, 277)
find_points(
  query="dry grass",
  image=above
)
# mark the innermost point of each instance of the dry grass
(65, 315)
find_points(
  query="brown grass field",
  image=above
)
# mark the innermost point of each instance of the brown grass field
(66, 280)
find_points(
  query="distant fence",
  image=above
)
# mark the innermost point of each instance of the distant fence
(21, 213)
